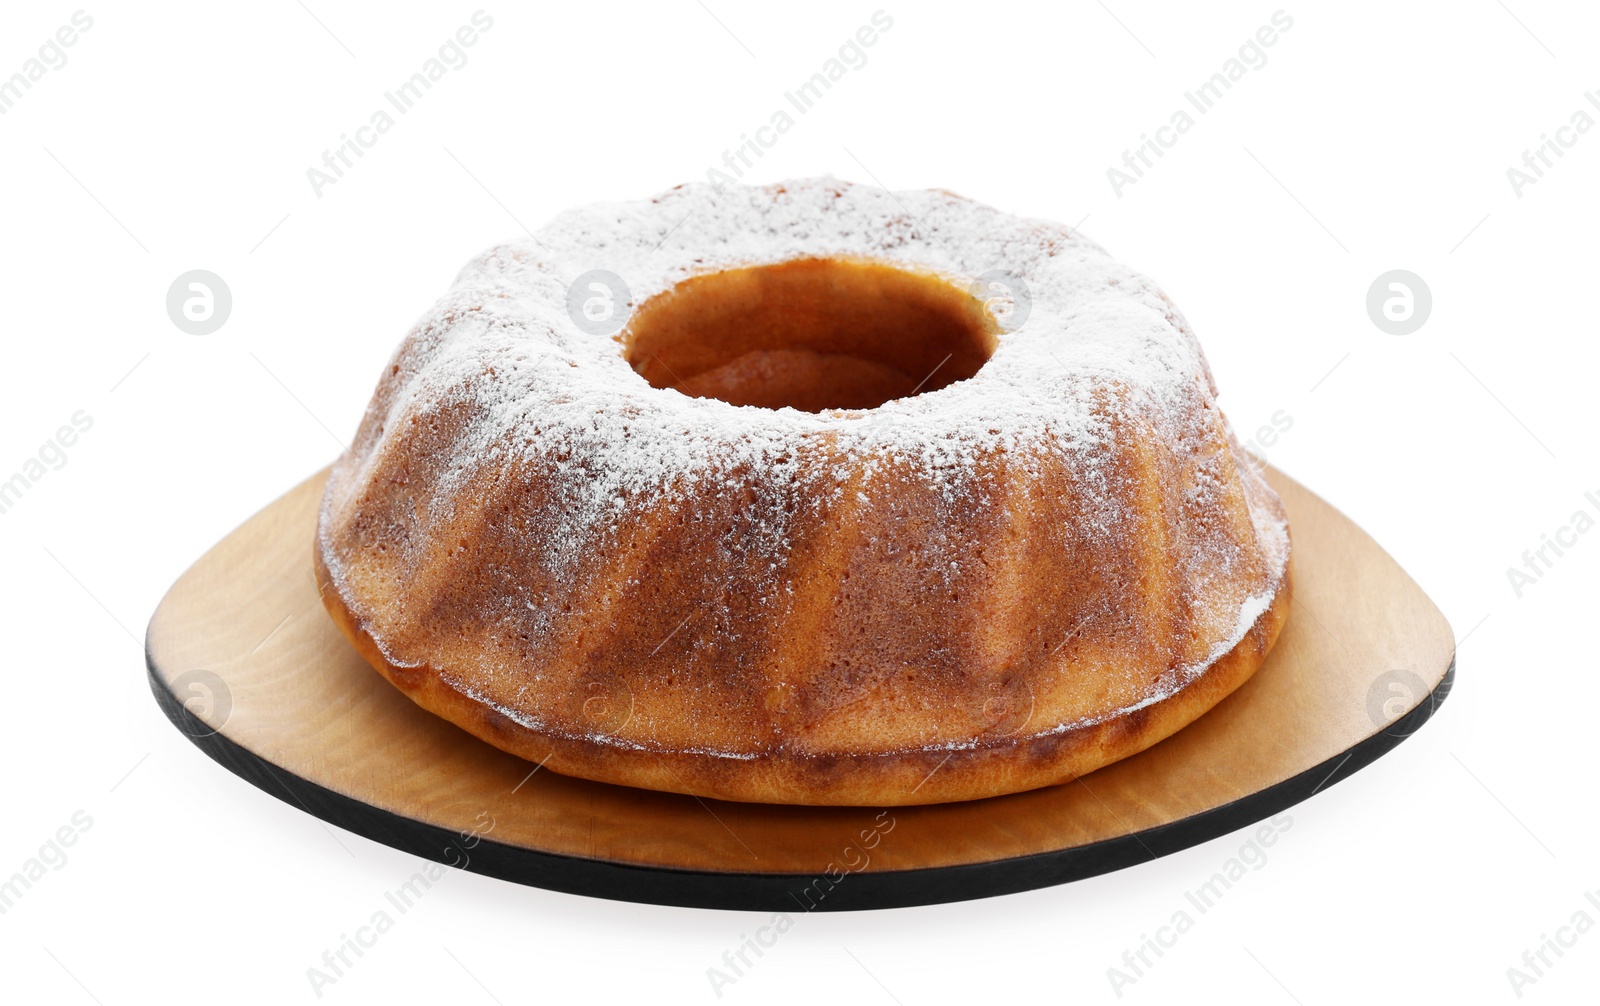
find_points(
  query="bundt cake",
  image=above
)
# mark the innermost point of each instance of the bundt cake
(812, 494)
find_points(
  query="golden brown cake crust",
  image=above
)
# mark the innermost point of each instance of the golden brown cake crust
(897, 778)
(825, 523)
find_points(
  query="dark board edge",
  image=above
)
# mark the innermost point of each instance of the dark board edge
(784, 892)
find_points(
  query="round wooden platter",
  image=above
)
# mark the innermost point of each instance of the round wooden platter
(244, 660)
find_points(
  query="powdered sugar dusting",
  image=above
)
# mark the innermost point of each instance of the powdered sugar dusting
(1094, 325)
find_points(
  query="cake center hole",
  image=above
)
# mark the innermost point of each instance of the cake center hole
(811, 334)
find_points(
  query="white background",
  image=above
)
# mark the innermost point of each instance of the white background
(178, 137)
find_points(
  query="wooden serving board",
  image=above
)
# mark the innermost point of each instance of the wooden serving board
(244, 660)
